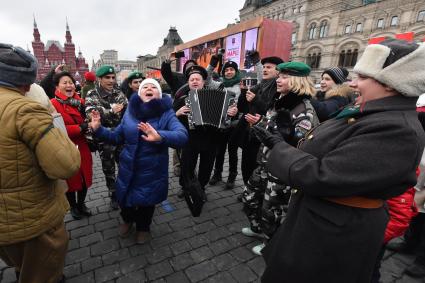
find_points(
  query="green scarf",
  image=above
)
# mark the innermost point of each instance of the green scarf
(231, 82)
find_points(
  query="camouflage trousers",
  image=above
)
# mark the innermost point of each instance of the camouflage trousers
(109, 155)
(265, 201)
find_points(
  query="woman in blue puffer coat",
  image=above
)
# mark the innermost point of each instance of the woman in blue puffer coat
(148, 128)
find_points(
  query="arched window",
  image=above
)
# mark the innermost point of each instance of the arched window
(380, 23)
(348, 58)
(323, 32)
(312, 31)
(347, 29)
(294, 38)
(394, 21)
(359, 27)
(421, 16)
(313, 60)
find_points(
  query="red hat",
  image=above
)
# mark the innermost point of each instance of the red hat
(90, 76)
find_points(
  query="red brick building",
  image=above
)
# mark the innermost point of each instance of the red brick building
(53, 54)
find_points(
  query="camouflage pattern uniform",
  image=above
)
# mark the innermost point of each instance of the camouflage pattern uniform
(265, 198)
(101, 100)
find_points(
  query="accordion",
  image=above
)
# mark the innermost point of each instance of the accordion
(209, 107)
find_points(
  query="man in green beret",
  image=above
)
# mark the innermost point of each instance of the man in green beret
(111, 104)
(133, 81)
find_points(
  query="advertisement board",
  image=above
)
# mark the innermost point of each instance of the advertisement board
(233, 48)
(250, 46)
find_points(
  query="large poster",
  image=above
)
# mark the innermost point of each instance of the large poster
(233, 48)
(202, 53)
(250, 46)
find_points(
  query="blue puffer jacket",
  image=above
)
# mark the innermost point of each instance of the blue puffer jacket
(143, 171)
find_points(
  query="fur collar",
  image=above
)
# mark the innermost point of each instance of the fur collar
(154, 108)
(343, 90)
(290, 100)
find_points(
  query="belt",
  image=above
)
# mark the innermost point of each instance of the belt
(357, 201)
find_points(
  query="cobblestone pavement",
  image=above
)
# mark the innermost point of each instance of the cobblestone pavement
(209, 248)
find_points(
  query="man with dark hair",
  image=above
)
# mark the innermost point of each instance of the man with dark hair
(33, 156)
(111, 104)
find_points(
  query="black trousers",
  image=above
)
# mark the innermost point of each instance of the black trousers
(249, 156)
(190, 159)
(77, 201)
(224, 143)
(415, 236)
(141, 215)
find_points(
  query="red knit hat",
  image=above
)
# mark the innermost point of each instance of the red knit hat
(90, 76)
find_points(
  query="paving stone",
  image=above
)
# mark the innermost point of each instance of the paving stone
(86, 278)
(110, 233)
(220, 246)
(99, 218)
(73, 244)
(180, 224)
(160, 230)
(180, 247)
(163, 218)
(177, 277)
(198, 241)
(159, 254)
(76, 224)
(243, 273)
(200, 271)
(132, 264)
(106, 225)
(104, 247)
(242, 254)
(72, 270)
(158, 270)
(204, 227)
(182, 261)
(77, 255)
(90, 239)
(91, 264)
(107, 273)
(140, 249)
(223, 221)
(257, 264)
(218, 233)
(115, 256)
(183, 234)
(222, 277)
(82, 231)
(201, 254)
(162, 241)
(134, 277)
(224, 261)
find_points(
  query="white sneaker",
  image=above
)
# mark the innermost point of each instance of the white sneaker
(248, 232)
(257, 249)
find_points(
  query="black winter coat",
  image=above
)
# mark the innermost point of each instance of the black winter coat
(374, 156)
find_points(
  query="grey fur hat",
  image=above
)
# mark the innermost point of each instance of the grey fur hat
(17, 66)
(397, 64)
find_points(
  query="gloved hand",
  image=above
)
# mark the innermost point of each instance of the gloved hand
(266, 137)
(255, 57)
(214, 60)
(283, 123)
(84, 127)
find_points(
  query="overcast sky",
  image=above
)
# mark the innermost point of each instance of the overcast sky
(132, 28)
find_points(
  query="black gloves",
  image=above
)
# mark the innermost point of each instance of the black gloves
(215, 59)
(267, 137)
(84, 127)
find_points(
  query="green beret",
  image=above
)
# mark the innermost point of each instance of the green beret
(135, 75)
(297, 69)
(105, 70)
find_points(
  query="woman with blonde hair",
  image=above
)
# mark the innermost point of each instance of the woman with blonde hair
(290, 117)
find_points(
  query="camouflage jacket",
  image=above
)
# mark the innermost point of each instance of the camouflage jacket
(100, 100)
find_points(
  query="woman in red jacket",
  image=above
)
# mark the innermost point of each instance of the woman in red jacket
(71, 106)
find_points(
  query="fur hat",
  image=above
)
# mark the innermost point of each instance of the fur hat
(272, 60)
(150, 81)
(89, 76)
(229, 64)
(195, 69)
(17, 66)
(338, 75)
(395, 63)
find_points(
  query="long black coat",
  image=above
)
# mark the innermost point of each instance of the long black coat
(374, 156)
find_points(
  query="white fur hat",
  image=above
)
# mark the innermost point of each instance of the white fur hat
(151, 81)
(397, 64)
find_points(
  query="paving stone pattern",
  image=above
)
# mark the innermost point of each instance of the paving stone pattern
(209, 248)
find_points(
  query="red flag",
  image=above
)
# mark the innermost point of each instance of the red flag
(408, 36)
(376, 40)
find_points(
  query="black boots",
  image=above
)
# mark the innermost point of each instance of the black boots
(230, 184)
(215, 178)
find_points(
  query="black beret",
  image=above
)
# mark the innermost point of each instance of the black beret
(230, 64)
(272, 60)
(196, 70)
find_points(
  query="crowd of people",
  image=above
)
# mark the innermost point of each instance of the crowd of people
(330, 175)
